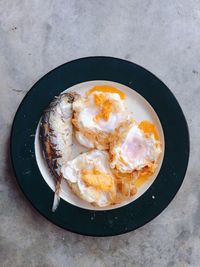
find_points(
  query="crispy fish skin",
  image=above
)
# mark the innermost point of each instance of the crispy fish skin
(56, 136)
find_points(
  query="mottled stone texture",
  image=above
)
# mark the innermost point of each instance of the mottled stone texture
(162, 36)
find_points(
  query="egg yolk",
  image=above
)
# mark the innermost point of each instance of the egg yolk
(106, 106)
(97, 179)
(149, 128)
(107, 89)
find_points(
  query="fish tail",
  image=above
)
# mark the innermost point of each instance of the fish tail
(56, 199)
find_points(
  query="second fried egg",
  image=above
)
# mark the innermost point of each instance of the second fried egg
(98, 114)
(135, 147)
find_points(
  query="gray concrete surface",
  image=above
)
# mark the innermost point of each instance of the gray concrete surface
(162, 36)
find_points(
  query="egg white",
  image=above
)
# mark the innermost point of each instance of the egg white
(72, 172)
(134, 151)
(85, 113)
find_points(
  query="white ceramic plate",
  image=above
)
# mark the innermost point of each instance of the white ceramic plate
(140, 109)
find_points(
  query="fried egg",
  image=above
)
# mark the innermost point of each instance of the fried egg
(135, 148)
(90, 177)
(97, 115)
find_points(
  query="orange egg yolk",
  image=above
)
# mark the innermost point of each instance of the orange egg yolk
(107, 89)
(149, 128)
(105, 105)
(98, 180)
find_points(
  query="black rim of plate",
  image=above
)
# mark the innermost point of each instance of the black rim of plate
(143, 209)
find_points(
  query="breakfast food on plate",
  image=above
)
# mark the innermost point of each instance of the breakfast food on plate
(135, 149)
(90, 177)
(56, 136)
(122, 154)
(97, 115)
